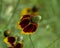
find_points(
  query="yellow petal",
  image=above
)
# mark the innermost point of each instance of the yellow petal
(6, 40)
(27, 33)
(24, 11)
(19, 27)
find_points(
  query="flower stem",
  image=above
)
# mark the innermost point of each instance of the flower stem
(52, 42)
(31, 41)
(1, 5)
(14, 11)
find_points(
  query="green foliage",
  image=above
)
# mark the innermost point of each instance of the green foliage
(48, 32)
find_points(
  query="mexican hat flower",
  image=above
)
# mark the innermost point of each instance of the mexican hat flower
(29, 20)
(14, 42)
(10, 40)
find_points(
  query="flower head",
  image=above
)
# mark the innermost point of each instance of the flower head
(27, 22)
(10, 40)
(6, 33)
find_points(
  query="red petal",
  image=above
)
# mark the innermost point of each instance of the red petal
(11, 40)
(30, 28)
(18, 45)
(24, 23)
(35, 27)
(25, 16)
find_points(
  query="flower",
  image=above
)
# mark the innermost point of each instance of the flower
(26, 22)
(10, 40)
(14, 42)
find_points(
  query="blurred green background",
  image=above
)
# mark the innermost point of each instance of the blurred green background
(48, 32)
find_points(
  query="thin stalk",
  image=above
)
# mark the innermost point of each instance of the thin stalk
(52, 42)
(1, 4)
(31, 41)
(14, 11)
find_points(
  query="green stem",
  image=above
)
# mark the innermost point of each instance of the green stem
(14, 11)
(31, 41)
(1, 1)
(52, 42)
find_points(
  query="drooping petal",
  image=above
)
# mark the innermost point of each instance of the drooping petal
(34, 27)
(24, 23)
(6, 40)
(25, 16)
(30, 28)
(19, 45)
(11, 40)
